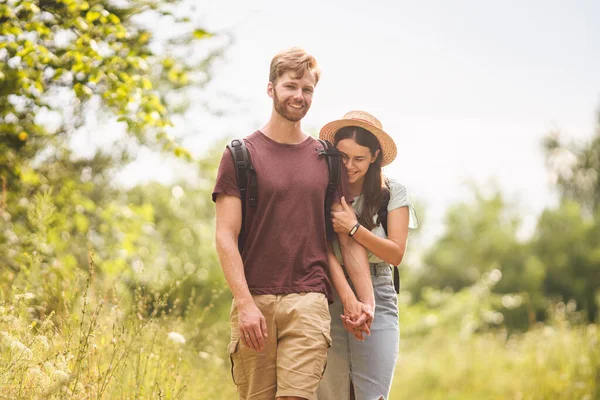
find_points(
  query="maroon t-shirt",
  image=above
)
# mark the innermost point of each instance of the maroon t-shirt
(286, 245)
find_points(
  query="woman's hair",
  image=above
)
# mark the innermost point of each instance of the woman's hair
(375, 187)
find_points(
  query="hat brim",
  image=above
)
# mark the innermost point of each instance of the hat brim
(388, 147)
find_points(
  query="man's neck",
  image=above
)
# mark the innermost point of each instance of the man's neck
(283, 131)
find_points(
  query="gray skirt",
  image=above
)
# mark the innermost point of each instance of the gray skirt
(369, 364)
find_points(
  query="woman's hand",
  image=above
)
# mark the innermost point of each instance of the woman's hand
(343, 221)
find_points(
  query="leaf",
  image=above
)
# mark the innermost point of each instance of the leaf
(202, 34)
(30, 177)
(92, 16)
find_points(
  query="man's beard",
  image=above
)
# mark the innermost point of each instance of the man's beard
(285, 113)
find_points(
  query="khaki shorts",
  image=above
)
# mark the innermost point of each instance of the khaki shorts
(295, 354)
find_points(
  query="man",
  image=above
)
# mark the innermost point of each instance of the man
(280, 322)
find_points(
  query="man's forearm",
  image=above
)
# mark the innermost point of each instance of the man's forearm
(357, 265)
(233, 267)
(338, 279)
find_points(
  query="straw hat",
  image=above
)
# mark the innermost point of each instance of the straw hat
(366, 121)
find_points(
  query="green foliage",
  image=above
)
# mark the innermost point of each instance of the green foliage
(480, 236)
(576, 169)
(57, 59)
(97, 349)
(61, 63)
(547, 362)
(110, 293)
(568, 244)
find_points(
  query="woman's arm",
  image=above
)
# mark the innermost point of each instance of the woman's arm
(390, 250)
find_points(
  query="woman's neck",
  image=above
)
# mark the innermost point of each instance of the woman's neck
(356, 188)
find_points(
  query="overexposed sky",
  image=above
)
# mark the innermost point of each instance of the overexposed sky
(466, 88)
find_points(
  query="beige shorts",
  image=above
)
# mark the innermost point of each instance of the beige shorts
(295, 354)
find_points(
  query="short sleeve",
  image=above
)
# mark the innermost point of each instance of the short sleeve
(343, 187)
(226, 178)
(399, 198)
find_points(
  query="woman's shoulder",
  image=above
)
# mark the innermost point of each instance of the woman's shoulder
(399, 198)
(397, 190)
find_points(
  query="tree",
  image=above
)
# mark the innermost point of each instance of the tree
(58, 55)
(568, 238)
(568, 245)
(59, 58)
(576, 169)
(482, 236)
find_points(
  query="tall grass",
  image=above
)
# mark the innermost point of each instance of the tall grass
(454, 346)
(98, 350)
(547, 362)
(69, 334)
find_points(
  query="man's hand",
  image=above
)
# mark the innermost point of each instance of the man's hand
(362, 324)
(357, 318)
(252, 325)
(344, 220)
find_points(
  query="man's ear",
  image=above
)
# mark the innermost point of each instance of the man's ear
(270, 90)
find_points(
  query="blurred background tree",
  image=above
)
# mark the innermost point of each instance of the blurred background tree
(568, 238)
(560, 262)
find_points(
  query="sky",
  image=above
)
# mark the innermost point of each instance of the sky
(467, 89)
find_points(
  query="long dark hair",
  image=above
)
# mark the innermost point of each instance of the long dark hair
(375, 187)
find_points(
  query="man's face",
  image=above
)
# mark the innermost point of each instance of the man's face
(292, 95)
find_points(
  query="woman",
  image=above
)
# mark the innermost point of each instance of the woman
(367, 367)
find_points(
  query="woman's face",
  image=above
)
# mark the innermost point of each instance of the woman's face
(356, 158)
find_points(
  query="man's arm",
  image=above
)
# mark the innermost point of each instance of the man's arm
(356, 263)
(252, 324)
(353, 309)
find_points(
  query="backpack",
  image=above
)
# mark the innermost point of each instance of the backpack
(247, 183)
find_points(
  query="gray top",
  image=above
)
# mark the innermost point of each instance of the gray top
(398, 198)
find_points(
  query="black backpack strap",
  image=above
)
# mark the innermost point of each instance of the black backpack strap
(333, 165)
(382, 215)
(246, 179)
(396, 279)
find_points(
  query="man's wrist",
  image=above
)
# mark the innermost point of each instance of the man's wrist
(368, 300)
(243, 301)
(348, 297)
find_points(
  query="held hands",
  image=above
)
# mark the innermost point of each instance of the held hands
(343, 220)
(357, 318)
(252, 325)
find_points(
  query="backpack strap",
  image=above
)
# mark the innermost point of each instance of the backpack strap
(333, 165)
(382, 215)
(246, 179)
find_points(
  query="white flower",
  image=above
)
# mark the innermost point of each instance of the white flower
(37, 377)
(176, 337)
(17, 347)
(24, 296)
(60, 376)
(43, 341)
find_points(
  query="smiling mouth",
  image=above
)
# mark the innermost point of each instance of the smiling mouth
(296, 106)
